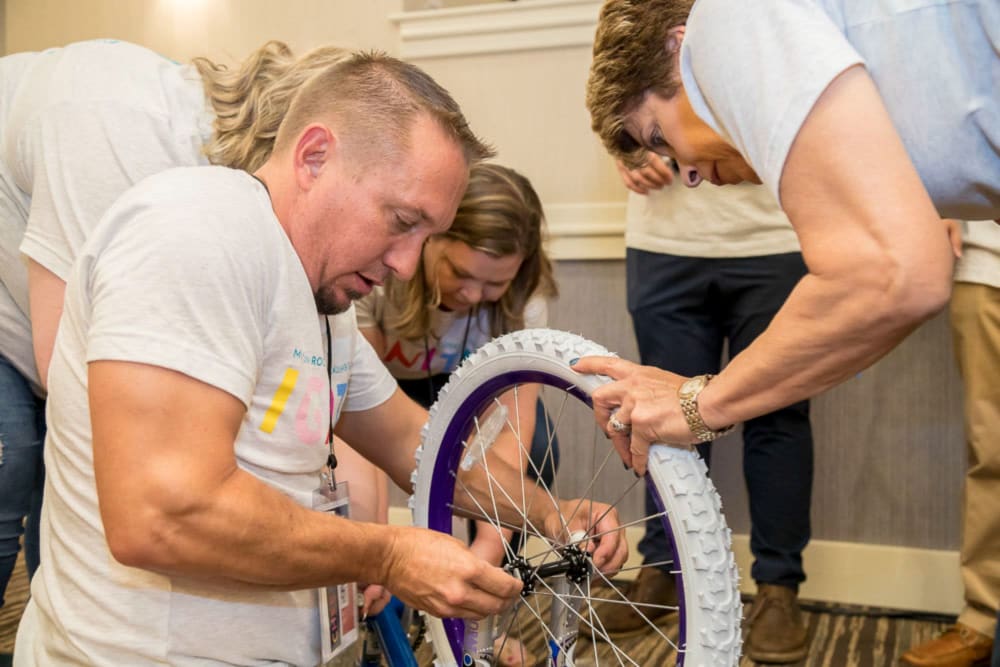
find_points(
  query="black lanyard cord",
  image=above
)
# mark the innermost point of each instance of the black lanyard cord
(432, 392)
(331, 460)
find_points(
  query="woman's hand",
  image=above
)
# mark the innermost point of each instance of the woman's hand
(954, 230)
(576, 520)
(644, 399)
(375, 599)
(655, 174)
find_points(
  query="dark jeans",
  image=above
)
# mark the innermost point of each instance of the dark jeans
(683, 310)
(22, 472)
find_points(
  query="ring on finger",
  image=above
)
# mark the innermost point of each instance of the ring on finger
(619, 426)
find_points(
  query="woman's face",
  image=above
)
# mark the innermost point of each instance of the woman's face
(466, 276)
(670, 127)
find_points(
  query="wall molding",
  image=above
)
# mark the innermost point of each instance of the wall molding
(903, 578)
(496, 28)
(594, 230)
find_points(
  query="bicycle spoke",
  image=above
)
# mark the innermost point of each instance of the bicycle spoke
(513, 367)
(604, 636)
(539, 482)
(657, 564)
(627, 603)
(587, 492)
(624, 600)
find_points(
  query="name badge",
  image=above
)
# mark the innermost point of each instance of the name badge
(338, 605)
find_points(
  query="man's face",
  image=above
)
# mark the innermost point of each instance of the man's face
(670, 127)
(367, 219)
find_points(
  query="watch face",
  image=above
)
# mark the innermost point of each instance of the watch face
(691, 386)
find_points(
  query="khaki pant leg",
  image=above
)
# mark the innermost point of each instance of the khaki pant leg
(975, 319)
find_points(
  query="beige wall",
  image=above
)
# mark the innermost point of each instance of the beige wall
(530, 105)
(225, 30)
(527, 103)
(889, 444)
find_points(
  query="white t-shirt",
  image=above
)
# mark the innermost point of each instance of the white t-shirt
(754, 70)
(736, 221)
(80, 125)
(191, 271)
(980, 261)
(407, 359)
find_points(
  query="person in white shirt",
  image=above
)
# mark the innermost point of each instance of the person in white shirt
(193, 394)
(487, 275)
(865, 142)
(708, 268)
(868, 122)
(80, 125)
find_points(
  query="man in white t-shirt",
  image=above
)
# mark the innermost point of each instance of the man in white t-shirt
(194, 388)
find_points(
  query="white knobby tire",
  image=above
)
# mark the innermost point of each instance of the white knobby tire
(710, 608)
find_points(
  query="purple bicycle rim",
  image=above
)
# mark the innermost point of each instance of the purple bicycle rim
(442, 491)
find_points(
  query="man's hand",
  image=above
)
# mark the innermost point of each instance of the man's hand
(643, 397)
(654, 175)
(438, 574)
(599, 522)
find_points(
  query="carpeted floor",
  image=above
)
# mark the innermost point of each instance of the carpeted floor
(15, 599)
(856, 637)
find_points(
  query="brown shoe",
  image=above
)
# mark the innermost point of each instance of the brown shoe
(958, 646)
(654, 595)
(777, 633)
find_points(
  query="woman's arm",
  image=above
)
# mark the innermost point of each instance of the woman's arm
(879, 261)
(514, 446)
(879, 258)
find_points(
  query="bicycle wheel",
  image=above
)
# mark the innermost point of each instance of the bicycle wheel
(566, 609)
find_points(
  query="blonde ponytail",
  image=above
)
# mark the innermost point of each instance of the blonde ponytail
(250, 101)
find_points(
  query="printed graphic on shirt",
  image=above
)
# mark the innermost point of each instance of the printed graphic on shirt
(306, 394)
(444, 358)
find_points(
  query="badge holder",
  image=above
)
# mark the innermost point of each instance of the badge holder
(337, 604)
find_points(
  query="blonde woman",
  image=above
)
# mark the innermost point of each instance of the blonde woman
(486, 276)
(78, 126)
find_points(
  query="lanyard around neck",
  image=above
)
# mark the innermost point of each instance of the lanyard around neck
(331, 460)
(461, 352)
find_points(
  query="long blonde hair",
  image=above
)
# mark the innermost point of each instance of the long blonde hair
(500, 214)
(271, 96)
(250, 101)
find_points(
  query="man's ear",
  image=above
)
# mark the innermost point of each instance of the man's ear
(674, 38)
(312, 152)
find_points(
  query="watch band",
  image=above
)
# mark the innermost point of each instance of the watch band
(688, 393)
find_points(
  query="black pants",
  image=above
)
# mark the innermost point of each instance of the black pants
(683, 310)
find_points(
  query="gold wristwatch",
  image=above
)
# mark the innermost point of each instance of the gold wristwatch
(688, 395)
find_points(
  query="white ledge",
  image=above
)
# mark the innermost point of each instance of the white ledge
(586, 230)
(497, 27)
